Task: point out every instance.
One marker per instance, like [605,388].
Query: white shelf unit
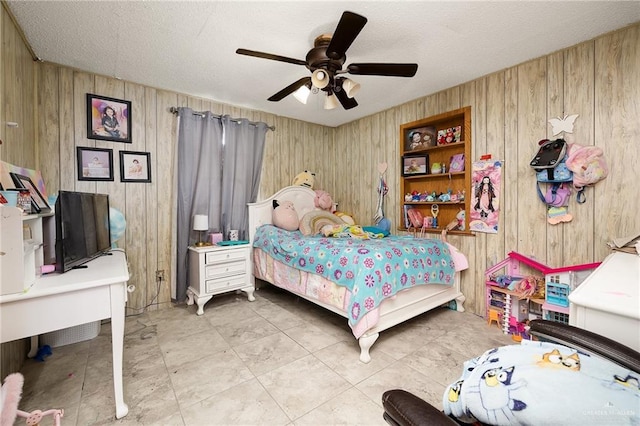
[26,243]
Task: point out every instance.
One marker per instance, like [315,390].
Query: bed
[393,309]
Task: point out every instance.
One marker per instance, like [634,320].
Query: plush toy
[323,200]
[305,178]
[285,216]
[346,218]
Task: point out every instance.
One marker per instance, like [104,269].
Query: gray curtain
[218,173]
[243,151]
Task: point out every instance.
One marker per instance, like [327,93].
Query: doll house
[514,297]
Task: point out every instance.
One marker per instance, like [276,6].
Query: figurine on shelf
[435,209]
[408,197]
[444,197]
[415,196]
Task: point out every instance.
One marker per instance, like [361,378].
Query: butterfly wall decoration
[564,124]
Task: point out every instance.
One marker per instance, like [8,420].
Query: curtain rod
[174,110]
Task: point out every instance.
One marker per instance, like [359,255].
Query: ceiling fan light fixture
[330,102]
[350,87]
[302,94]
[320,78]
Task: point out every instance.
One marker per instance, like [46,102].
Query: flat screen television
[82,228]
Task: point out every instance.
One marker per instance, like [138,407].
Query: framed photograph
[450,135]
[108,119]
[94,163]
[38,202]
[414,165]
[420,138]
[135,166]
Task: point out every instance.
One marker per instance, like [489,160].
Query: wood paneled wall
[599,79]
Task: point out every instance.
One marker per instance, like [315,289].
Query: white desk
[58,301]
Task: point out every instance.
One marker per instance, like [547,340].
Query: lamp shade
[350,87]
[302,94]
[200,222]
[330,102]
[320,79]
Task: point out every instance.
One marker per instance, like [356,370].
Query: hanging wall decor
[135,166]
[94,163]
[485,203]
[108,119]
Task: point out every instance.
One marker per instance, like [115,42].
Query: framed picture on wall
[94,163]
[135,166]
[108,119]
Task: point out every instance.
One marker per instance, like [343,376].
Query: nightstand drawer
[225,269]
[224,256]
[229,283]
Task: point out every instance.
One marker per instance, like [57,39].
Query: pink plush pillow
[284,215]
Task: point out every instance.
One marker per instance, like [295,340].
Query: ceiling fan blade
[346,32]
[270,56]
[290,89]
[392,70]
[347,102]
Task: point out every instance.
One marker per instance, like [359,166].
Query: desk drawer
[225,269]
[224,256]
[229,283]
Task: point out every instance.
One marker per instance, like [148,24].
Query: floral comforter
[372,269]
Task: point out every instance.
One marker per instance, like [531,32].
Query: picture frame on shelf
[449,135]
[135,166]
[38,202]
[415,165]
[94,164]
[108,119]
[420,138]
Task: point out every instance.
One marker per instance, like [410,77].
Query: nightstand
[218,269]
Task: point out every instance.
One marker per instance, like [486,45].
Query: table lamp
[201,223]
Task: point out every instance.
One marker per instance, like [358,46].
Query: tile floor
[277,361]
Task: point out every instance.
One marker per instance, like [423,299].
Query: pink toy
[11,393]
[514,300]
[285,216]
[323,200]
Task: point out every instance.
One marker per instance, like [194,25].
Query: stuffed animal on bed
[305,178]
[346,218]
[323,200]
[284,215]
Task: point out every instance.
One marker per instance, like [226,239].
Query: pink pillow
[284,215]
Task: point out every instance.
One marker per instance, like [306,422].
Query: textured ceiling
[189,47]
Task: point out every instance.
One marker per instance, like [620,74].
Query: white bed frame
[406,305]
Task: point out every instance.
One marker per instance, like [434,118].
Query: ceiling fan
[326,60]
